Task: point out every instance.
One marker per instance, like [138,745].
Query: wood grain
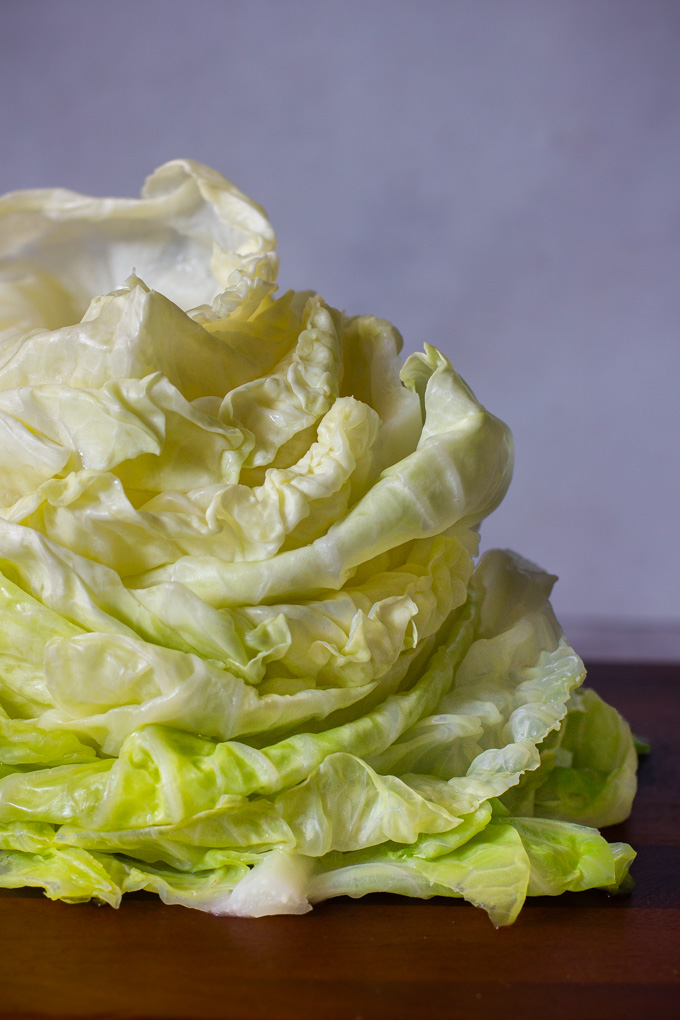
[383,957]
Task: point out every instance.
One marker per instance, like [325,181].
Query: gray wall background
[498,177]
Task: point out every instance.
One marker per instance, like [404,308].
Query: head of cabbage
[247,660]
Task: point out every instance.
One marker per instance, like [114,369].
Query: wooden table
[383,958]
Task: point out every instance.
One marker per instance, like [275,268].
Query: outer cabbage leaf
[588,770]
[495,869]
[570,858]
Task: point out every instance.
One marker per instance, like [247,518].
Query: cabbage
[247,660]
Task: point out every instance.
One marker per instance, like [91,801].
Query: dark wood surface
[384,957]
